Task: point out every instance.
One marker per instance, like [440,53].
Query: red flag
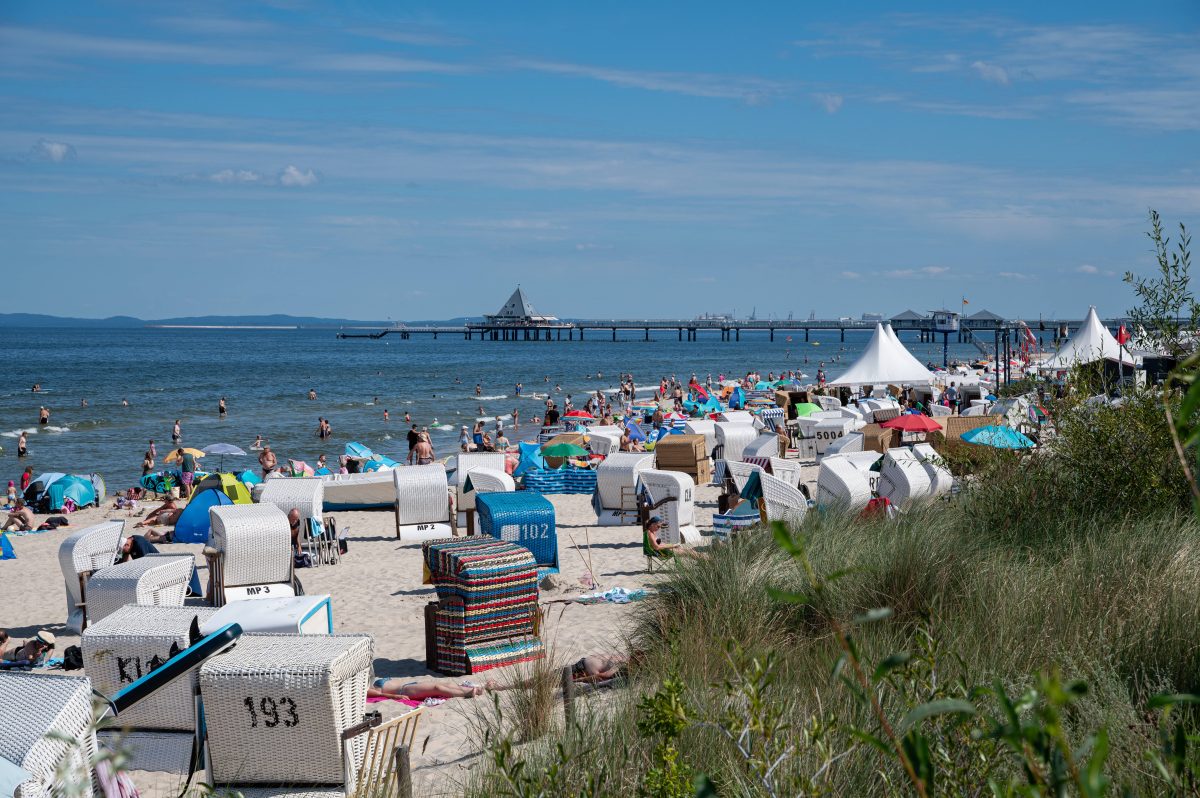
[1123,335]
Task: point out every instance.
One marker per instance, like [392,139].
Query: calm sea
[265,376]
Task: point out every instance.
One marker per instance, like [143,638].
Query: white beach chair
[782,502]
[318,537]
[941,481]
[737,417]
[705,427]
[80,555]
[732,439]
[285,716]
[841,486]
[154,580]
[422,503]
[615,499]
[765,445]
[604,440]
[678,512]
[158,731]
[829,430]
[249,553]
[466,462]
[828,402]
[41,713]
[850,442]
[903,479]
[789,471]
[740,472]
[939,411]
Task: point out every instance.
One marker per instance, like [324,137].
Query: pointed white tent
[1090,343]
[885,360]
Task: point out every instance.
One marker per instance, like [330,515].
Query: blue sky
[375,160]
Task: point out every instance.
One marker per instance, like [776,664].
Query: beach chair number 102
[273,712]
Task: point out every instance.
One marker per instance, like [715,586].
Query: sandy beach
[377,591]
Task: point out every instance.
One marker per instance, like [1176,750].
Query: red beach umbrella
[913,423]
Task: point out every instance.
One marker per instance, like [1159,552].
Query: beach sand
[377,591]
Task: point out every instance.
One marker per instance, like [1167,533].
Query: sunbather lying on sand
[420,689]
[166,513]
[599,667]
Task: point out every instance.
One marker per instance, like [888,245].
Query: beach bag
[72,658]
[302,560]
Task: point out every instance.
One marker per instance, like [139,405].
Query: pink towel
[375,699]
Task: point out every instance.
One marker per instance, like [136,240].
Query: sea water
[265,376]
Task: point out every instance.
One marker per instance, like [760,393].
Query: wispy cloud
[851,275]
[20,45]
[218,26]
[924,271]
[367,62]
[56,151]
[752,91]
[832,103]
[227,176]
[415,36]
[294,176]
[1087,268]
[992,73]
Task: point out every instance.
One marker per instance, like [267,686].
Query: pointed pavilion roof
[1090,343]
[908,315]
[885,360]
[518,308]
[985,315]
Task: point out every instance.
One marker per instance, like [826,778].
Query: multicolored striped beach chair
[486,616]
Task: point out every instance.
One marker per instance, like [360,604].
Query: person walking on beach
[22,445]
[187,465]
[267,460]
[176,433]
[222,411]
[952,398]
[44,415]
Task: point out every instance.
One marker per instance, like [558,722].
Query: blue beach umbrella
[997,438]
[356,449]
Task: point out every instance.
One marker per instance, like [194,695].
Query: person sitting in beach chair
[419,690]
[655,548]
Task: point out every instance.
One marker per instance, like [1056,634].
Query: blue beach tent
[193,525]
[78,489]
[530,458]
[997,438]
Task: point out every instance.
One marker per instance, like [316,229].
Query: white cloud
[832,103]
[1087,268]
[935,269]
[56,151]
[991,72]
[752,91]
[235,176]
[1014,275]
[849,275]
[366,62]
[292,176]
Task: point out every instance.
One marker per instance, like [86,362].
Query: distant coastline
[265,322]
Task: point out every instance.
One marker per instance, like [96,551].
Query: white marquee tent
[885,360]
[1090,343]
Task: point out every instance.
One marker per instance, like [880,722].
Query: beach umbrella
[913,423]
[174,455]
[223,449]
[579,414]
[997,438]
[563,450]
[807,409]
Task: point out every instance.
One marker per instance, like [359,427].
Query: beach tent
[248,477]
[1090,343]
[40,484]
[530,458]
[193,525]
[997,438]
[75,487]
[885,361]
[228,484]
[737,400]
[635,432]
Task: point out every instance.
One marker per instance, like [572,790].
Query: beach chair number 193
[273,712]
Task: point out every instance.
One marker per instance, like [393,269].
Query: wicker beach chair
[615,498]
[675,491]
[41,712]
[486,613]
[285,716]
[705,427]
[490,480]
[841,486]
[318,535]
[941,481]
[249,553]
[135,640]
[765,445]
[790,471]
[828,402]
[848,443]
[525,518]
[740,472]
[940,411]
[733,437]
[781,501]
[467,461]
[80,555]
[156,580]
[903,478]
[422,502]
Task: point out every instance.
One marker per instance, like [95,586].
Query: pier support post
[614,333]
[806,334]
[772,335]
[580,333]
[738,333]
[843,335]
[680,333]
[647,334]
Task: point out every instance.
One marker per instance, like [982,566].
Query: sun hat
[45,637]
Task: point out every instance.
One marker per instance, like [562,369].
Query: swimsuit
[424,460]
